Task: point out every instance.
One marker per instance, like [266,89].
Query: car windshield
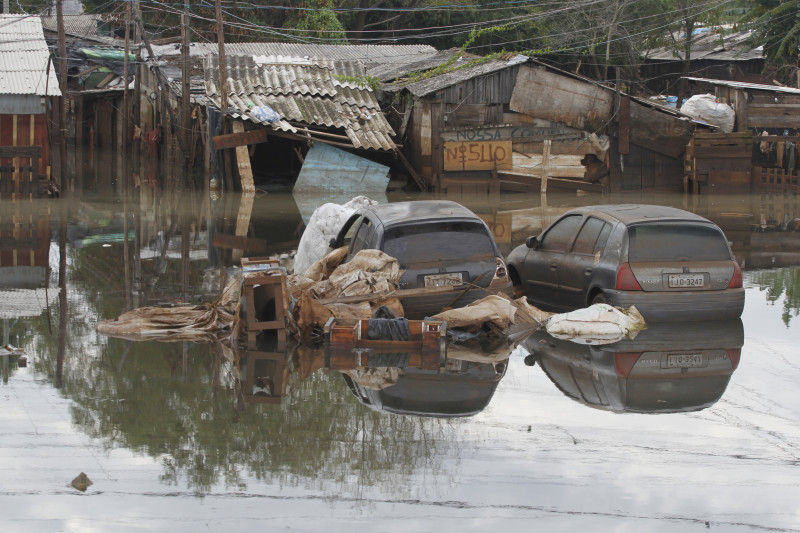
[676,242]
[439,241]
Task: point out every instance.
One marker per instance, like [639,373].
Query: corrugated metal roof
[751,86]
[464,69]
[712,44]
[368,55]
[84,25]
[306,93]
[24,58]
[401,68]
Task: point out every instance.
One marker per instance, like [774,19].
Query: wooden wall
[20,131]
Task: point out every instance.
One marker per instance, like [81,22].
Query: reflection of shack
[474,125]
[27,82]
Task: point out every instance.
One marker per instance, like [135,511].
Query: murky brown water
[173,441]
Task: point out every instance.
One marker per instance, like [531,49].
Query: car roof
[399,212]
[638,213]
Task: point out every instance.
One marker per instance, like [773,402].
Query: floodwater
[557,437]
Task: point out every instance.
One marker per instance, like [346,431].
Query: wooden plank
[559,183]
[716,152]
[400,293]
[243,162]
[20,151]
[241,138]
[659,132]
[730,182]
[478,155]
[247,244]
[624,131]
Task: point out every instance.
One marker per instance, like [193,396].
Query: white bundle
[706,108]
[324,225]
[597,324]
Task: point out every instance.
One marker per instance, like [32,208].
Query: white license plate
[443,280]
[685,360]
[686,280]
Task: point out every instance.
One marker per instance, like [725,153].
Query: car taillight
[734,356]
[625,362]
[736,279]
[626,281]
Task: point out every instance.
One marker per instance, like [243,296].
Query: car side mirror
[531,242]
[332,243]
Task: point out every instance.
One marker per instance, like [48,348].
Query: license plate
[442,280]
[686,280]
[685,360]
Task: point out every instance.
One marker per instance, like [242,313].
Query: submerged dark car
[669,263]
[436,243]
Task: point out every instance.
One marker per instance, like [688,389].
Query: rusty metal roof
[750,86]
[307,91]
[24,58]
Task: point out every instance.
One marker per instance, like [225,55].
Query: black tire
[599,298]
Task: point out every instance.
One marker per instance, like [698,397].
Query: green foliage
[776,26]
[318,23]
[781,283]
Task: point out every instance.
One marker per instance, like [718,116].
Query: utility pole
[126,154]
[62,84]
[223,90]
[186,105]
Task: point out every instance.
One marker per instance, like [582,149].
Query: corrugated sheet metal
[713,45]
[401,68]
[368,55]
[751,86]
[24,58]
[310,94]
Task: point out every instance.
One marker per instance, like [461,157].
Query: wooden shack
[477,125]
[27,81]
[760,155]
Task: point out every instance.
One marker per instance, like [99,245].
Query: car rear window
[676,242]
[438,241]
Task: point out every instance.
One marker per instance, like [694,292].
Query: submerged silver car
[436,243]
[669,263]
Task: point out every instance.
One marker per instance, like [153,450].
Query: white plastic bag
[324,225]
[706,108]
[596,324]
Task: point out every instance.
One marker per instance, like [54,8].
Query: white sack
[706,108]
[324,225]
[597,324]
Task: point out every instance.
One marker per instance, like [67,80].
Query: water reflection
[667,368]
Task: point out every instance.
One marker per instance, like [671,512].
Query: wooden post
[243,162]
[223,89]
[62,84]
[186,106]
[545,164]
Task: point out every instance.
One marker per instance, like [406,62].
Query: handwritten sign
[479,155]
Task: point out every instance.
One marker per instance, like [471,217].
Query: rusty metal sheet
[479,155]
[548,95]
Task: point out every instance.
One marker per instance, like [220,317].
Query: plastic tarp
[324,225]
[596,324]
[180,323]
[496,313]
[706,108]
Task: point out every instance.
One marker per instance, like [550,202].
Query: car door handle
[587,271]
[554,266]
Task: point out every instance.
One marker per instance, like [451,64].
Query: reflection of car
[671,264]
[669,367]
[437,243]
[460,388]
